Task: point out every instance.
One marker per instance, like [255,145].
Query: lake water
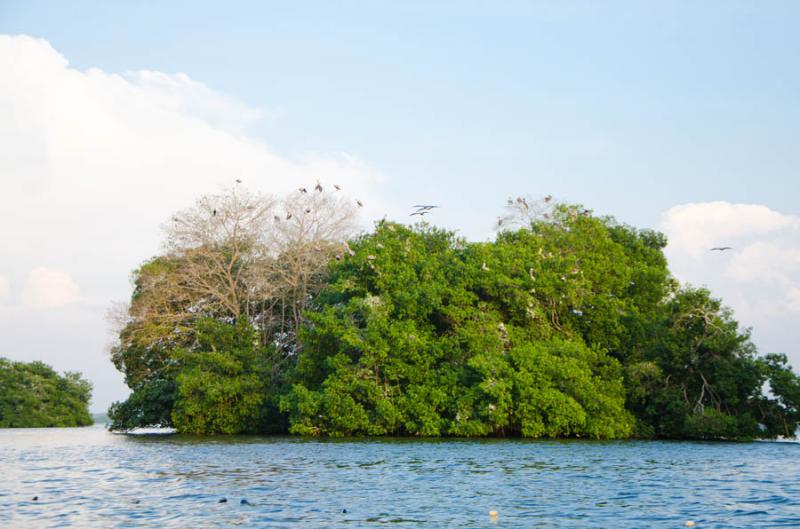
[87,477]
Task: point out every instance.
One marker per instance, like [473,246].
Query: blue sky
[634,109]
[629,107]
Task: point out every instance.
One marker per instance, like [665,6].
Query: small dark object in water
[137,502]
[223,500]
[35,498]
[344,511]
[244,502]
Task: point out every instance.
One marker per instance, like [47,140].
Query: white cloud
[180,94]
[766,262]
[694,228]
[47,289]
[5,287]
[93,162]
[759,278]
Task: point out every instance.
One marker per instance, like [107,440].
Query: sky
[678,116]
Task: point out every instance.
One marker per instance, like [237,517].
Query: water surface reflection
[90,478]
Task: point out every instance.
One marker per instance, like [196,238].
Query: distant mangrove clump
[273,316]
[33,395]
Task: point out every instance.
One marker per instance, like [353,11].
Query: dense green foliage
[569,326]
[420,333]
[697,375]
[224,384]
[33,395]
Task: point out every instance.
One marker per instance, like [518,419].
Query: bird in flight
[238,181]
[288,215]
[336,187]
[360,204]
[302,189]
[423,209]
[318,187]
[720,248]
[548,198]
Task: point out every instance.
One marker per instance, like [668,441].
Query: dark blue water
[88,478]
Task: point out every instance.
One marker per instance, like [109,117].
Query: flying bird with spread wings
[423,209]
[720,248]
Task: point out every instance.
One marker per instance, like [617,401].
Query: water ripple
[86,478]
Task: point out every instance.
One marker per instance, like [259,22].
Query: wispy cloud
[47,289]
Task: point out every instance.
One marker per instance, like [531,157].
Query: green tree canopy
[699,376]
[418,334]
[224,386]
[234,258]
[566,325]
[33,395]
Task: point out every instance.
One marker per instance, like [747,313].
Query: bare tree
[230,256]
[252,255]
[521,212]
[222,243]
[310,233]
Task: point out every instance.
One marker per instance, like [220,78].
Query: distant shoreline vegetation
[268,315]
[34,395]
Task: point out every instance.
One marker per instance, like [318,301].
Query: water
[87,478]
